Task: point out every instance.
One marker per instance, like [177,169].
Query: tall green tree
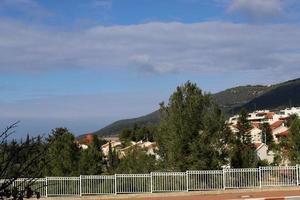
[192,131]
[112,160]
[63,153]
[137,161]
[91,159]
[267,135]
[242,150]
[293,142]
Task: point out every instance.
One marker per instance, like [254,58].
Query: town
[276,120]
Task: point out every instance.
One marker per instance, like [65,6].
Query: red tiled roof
[88,138]
[283,134]
[276,124]
[270,115]
[256,145]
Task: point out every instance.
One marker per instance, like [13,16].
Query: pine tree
[113,159]
[137,162]
[242,150]
[192,130]
[91,160]
[63,153]
[293,142]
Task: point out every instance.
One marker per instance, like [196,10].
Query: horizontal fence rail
[201,180]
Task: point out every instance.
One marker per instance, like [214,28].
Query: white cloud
[153,47]
[257,9]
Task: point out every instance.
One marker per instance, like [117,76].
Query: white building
[290,111]
[114,145]
[263,153]
[256,135]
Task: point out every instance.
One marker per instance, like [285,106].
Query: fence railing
[201,180]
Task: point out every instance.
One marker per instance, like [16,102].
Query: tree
[242,150]
[192,129]
[267,135]
[63,153]
[91,159]
[293,142]
[136,162]
[19,160]
[113,159]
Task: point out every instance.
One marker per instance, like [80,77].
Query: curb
[276,198]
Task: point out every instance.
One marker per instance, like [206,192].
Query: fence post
[151,182]
[224,179]
[80,185]
[116,184]
[46,187]
[297,174]
[187,181]
[260,177]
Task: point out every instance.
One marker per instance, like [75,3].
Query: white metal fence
[164,181]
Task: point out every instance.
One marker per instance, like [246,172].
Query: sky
[83,64]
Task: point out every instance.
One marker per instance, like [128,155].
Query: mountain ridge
[230,100]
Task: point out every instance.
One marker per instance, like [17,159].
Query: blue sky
[83,64]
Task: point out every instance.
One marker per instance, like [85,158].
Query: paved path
[215,195]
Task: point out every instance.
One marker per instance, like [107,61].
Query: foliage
[242,151]
[293,142]
[17,160]
[192,131]
[267,136]
[112,160]
[91,159]
[137,161]
[63,153]
[137,133]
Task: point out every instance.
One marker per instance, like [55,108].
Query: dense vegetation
[230,101]
[192,134]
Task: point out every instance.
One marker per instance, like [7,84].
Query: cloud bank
[258,9]
[157,48]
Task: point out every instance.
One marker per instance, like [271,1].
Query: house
[279,130]
[148,147]
[114,145]
[256,135]
[261,150]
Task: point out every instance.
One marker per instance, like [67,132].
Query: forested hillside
[231,101]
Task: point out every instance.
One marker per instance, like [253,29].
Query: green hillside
[116,127]
[281,95]
[231,101]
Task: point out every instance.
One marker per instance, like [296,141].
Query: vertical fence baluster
[224,179]
[260,178]
[46,192]
[116,184]
[297,174]
[80,185]
[187,181]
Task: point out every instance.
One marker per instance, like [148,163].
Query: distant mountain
[231,101]
[116,127]
[281,95]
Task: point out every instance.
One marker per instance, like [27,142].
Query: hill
[231,101]
[116,127]
[281,95]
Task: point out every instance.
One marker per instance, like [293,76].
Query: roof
[270,115]
[276,124]
[283,134]
[258,145]
[88,138]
